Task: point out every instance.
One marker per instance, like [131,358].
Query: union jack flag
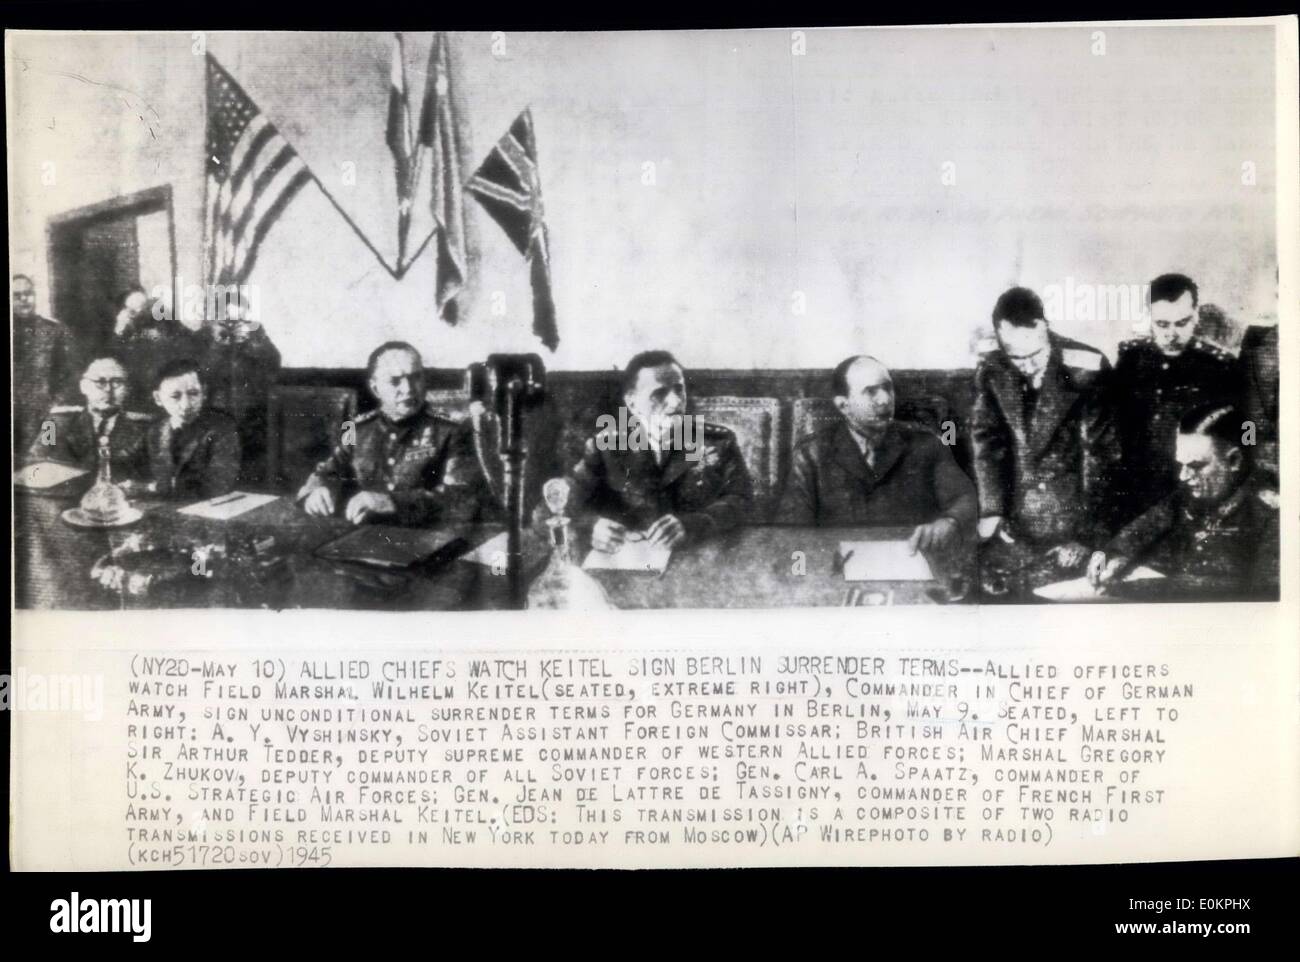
[253,174]
[509,187]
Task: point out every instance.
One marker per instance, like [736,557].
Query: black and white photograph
[460,449]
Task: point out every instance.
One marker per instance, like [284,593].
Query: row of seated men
[1098,469]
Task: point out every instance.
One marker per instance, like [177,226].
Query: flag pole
[396,274]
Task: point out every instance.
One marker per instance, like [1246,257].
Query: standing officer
[650,476]
[45,363]
[401,463]
[71,433]
[1216,536]
[1158,379]
[1045,443]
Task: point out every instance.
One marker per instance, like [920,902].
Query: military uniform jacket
[1228,551]
[1152,392]
[46,368]
[199,461]
[709,494]
[1046,463]
[426,464]
[74,441]
[914,481]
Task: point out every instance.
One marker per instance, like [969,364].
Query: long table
[752,567]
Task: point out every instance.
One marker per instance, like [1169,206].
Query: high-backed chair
[757,423]
[303,426]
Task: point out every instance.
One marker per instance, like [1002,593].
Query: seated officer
[658,473]
[872,470]
[193,450]
[1045,444]
[401,463]
[72,433]
[1217,535]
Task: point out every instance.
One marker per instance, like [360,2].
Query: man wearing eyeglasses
[72,433]
[1045,444]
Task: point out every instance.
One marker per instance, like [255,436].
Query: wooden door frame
[147,201]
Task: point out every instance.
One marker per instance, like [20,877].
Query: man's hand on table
[367,505]
[320,503]
[1104,570]
[935,536]
[608,536]
[667,532]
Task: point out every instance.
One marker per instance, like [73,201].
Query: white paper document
[46,474]
[638,555]
[883,561]
[490,552]
[1081,589]
[228,505]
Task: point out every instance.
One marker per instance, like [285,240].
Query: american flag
[253,174]
[509,187]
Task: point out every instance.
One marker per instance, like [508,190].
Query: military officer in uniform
[73,433]
[1216,536]
[1158,379]
[46,364]
[401,463]
[1045,444]
[652,474]
[873,470]
[193,450]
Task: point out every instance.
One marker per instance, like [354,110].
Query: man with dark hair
[870,469]
[655,472]
[193,450]
[400,463]
[46,364]
[1217,535]
[74,433]
[1157,379]
[1045,444]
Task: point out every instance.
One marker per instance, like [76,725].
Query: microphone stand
[513,455]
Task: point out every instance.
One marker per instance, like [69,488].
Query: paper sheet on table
[883,561]
[228,506]
[631,556]
[47,474]
[1080,589]
[490,552]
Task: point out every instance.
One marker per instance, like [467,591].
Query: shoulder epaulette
[1132,343]
[366,416]
[1217,351]
[717,430]
[138,416]
[1269,498]
[67,408]
[1084,360]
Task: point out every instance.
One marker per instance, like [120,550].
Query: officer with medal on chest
[650,474]
[1160,378]
[400,464]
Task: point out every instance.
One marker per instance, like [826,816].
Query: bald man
[872,470]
